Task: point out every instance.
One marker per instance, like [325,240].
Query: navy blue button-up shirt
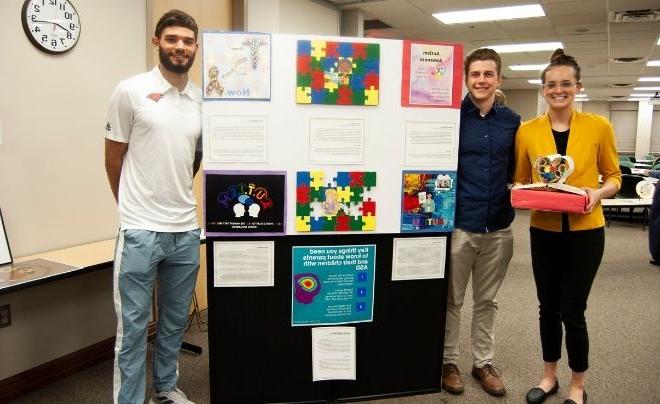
[485,167]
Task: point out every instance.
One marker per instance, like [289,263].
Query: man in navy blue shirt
[482,243]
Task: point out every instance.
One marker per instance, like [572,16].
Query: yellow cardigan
[593,149]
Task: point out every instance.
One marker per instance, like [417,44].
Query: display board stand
[255,355]
[344,145]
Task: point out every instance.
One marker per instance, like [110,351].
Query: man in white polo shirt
[152,152]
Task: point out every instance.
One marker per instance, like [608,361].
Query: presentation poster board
[285,135]
[336,125]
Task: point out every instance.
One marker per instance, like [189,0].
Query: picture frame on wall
[5,252]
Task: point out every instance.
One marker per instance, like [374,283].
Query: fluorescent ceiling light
[534,81]
[637,99]
[657,78]
[528,67]
[653,63]
[526,47]
[490,14]
[582,99]
[646,89]
[642,95]
[658,42]
[581,96]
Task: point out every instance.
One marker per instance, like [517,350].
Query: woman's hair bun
[557,54]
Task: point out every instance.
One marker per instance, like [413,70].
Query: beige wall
[597,107]
[54,189]
[290,17]
[523,102]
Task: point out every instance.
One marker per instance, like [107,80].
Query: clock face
[53,26]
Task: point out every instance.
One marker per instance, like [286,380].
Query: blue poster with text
[333,284]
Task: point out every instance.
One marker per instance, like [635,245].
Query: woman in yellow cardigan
[566,248]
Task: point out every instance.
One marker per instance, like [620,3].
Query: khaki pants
[486,256]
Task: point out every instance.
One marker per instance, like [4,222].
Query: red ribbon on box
[549,200]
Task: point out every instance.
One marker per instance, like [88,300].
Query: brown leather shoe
[490,378]
[451,379]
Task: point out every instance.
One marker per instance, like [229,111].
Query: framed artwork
[335,203]
[5,252]
[236,66]
[337,73]
[245,203]
[431,75]
[428,201]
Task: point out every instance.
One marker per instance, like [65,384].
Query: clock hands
[54,22]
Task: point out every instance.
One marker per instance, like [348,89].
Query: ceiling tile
[575,19]
[569,29]
[576,7]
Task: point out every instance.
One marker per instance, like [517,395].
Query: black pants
[565,265]
[654,227]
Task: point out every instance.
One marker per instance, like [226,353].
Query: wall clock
[53,26]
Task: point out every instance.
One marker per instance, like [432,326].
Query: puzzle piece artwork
[337,73]
[343,204]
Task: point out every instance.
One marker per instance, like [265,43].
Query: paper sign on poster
[333,353]
[243,263]
[333,284]
[418,258]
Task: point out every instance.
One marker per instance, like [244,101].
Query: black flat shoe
[584,399]
[538,395]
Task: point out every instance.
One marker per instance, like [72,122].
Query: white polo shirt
[163,128]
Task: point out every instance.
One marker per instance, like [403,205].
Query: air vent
[375,24]
[635,15]
[627,60]
[620,85]
[340,3]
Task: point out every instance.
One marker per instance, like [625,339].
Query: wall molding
[57,369]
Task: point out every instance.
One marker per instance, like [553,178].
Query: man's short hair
[482,54]
[175,18]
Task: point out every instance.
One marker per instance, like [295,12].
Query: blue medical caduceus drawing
[254,44]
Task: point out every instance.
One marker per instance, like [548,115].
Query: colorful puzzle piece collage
[337,73]
[342,204]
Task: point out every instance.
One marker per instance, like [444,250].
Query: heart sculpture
[554,168]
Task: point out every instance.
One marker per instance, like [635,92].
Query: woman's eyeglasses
[563,84]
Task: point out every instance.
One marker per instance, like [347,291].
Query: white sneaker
[170,397]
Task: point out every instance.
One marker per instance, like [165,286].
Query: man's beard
[174,68]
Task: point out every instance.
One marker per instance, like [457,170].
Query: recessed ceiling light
[490,14]
[528,67]
[534,81]
[649,79]
[646,89]
[653,63]
[526,47]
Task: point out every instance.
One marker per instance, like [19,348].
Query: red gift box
[549,200]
